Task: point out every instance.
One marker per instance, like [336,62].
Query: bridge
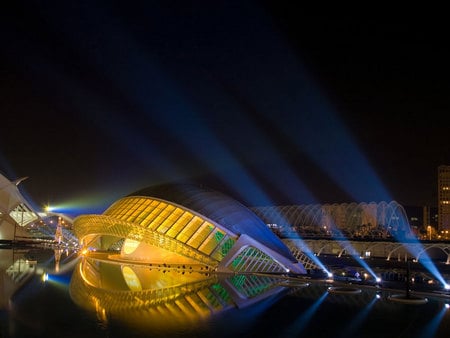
[379,248]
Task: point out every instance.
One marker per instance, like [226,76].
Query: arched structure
[358,219]
[186,224]
[16,215]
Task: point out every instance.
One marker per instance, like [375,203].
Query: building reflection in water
[163,297]
[15,271]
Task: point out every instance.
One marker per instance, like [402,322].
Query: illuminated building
[186,224]
[379,220]
[444,197]
[15,213]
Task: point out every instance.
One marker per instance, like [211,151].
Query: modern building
[443,198]
[16,215]
[186,224]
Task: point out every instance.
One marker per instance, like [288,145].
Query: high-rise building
[443,197]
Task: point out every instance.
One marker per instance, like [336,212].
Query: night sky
[269,103]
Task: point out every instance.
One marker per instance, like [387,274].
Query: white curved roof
[13,208]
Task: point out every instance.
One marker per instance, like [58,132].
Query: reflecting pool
[56,293]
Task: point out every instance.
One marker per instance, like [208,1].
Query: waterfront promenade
[381,248]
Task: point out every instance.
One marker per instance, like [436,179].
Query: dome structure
[186,224]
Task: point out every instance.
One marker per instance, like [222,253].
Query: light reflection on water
[163,298]
[96,298]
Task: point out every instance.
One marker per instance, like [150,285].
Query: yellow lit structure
[184,224]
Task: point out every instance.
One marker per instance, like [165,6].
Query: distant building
[444,198]
[423,220]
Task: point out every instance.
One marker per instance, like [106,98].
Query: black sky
[100,98]
[388,77]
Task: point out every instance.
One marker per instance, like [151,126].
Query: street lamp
[429,232]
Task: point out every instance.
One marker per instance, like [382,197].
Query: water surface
[59,294]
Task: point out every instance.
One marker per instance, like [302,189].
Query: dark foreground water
[50,293]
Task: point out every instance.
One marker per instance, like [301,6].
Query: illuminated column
[58,232]
[426,217]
